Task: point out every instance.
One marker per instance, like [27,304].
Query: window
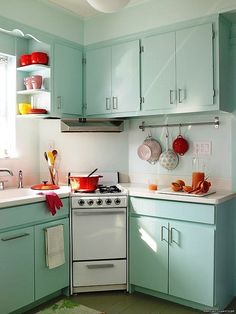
[7,105]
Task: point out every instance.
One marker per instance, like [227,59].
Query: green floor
[137,303]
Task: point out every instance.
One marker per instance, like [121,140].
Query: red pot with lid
[84,183]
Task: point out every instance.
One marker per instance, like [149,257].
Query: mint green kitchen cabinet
[149,253]
[113,79]
[48,280]
[177,71]
[98,81]
[191,262]
[16,269]
[25,278]
[182,251]
[177,257]
[67,80]
[158,72]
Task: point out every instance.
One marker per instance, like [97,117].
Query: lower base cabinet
[16,269]
[24,275]
[182,251]
[176,258]
[48,280]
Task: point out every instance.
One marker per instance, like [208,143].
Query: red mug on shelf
[28,83]
[36,81]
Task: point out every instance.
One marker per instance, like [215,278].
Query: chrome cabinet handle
[96,266]
[15,237]
[162,233]
[115,103]
[171,236]
[108,103]
[180,99]
[171,96]
[59,102]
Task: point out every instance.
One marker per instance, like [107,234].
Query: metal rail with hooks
[216,123]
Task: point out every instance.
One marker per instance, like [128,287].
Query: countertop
[141,190]
[14,197]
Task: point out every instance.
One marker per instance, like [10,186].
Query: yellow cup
[24,108]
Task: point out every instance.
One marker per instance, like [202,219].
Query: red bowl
[25,60]
[39,58]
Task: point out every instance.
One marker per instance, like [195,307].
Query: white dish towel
[54,245]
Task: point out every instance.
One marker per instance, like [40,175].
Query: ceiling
[82,8]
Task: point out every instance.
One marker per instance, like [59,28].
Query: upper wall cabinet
[60,93]
[113,80]
[177,71]
[67,80]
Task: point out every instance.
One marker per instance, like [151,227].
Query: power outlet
[202,148]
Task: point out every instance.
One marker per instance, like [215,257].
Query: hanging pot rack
[216,123]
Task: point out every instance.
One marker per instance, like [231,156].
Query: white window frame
[8,107]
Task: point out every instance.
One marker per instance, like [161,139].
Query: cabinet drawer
[202,213]
[30,213]
[99,273]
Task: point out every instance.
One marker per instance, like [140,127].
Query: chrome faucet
[2,182]
[20,184]
[6,170]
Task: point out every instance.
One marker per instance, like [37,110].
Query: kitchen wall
[83,152]
[27,159]
[52,20]
[44,16]
[218,164]
[151,14]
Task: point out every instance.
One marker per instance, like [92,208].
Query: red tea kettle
[180,144]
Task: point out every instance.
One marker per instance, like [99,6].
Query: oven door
[99,233]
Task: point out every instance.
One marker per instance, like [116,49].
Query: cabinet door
[158,72]
[48,280]
[67,65]
[125,77]
[16,269]
[149,253]
[191,262]
[194,67]
[98,81]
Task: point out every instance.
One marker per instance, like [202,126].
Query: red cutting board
[47,186]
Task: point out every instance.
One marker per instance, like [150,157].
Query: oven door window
[99,234]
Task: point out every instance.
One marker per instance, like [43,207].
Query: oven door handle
[95,266]
[90,212]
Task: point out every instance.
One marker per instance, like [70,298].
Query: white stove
[99,238]
[104,196]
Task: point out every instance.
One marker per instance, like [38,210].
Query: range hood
[92,125]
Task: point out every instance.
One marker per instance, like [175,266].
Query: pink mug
[28,83]
[36,81]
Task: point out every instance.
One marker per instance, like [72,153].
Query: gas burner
[109,189]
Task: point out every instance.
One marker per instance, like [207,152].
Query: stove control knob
[99,202]
[81,202]
[117,201]
[108,201]
[90,202]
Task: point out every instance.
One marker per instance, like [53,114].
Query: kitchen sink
[16,193]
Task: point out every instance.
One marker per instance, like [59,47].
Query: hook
[180,129]
[167,131]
